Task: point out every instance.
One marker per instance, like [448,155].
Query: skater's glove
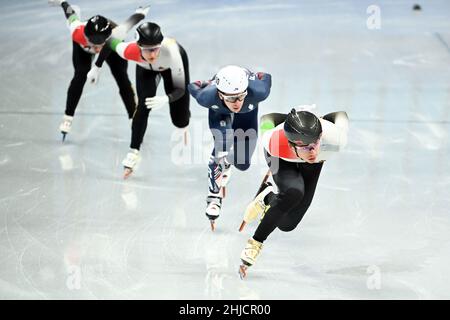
[55,3]
[156,102]
[260,75]
[202,84]
[93,74]
[143,11]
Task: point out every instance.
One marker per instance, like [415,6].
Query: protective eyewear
[235,97]
[95,45]
[306,147]
[150,49]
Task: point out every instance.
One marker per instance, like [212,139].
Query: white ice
[378,228]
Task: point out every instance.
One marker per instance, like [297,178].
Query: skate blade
[242,271]
[64,136]
[127,173]
[185,138]
[223,192]
[213,225]
[242,226]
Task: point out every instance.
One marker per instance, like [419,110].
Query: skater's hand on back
[202,84]
[260,75]
[143,11]
[156,102]
[55,2]
[93,74]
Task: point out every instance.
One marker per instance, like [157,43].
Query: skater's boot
[215,176]
[213,207]
[65,126]
[182,134]
[257,207]
[130,162]
[249,255]
[214,199]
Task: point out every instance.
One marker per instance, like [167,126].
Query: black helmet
[302,127]
[149,34]
[97,30]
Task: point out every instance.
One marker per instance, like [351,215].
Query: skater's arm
[94,73]
[126,50]
[339,118]
[260,84]
[270,121]
[335,131]
[102,56]
[120,32]
[177,70]
[204,92]
[341,122]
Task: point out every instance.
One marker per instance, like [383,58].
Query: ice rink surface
[378,228]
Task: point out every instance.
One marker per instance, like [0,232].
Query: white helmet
[231,79]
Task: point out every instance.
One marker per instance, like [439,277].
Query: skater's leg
[213,174]
[245,131]
[222,132]
[220,126]
[146,84]
[179,109]
[310,173]
[291,190]
[214,197]
[119,68]
[82,64]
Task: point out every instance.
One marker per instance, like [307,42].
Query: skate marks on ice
[130,198]
[219,255]
[120,261]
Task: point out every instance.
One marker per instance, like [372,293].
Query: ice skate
[214,199]
[249,256]
[183,134]
[130,162]
[257,207]
[65,126]
[213,207]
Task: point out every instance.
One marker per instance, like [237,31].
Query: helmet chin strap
[295,149]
